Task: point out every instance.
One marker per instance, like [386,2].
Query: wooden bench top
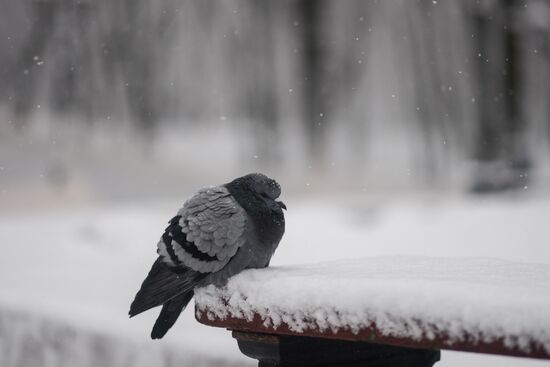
[467,304]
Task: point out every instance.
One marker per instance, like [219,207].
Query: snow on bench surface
[473,304]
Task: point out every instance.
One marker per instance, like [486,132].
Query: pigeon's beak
[281,205]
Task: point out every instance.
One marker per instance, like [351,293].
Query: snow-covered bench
[370,309]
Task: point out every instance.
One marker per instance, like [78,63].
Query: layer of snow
[412,297]
[29,339]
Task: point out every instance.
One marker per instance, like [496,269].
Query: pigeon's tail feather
[169,314]
[161,285]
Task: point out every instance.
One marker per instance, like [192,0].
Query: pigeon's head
[262,187]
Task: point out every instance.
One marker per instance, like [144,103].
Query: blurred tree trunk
[25,72]
[517,155]
[136,59]
[309,14]
[348,66]
[262,101]
[428,93]
[500,146]
[71,51]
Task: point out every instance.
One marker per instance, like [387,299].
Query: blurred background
[395,127]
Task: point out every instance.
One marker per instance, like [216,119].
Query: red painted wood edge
[374,335]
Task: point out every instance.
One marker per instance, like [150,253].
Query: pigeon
[219,232]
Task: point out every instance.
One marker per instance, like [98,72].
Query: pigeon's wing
[206,233]
[201,239]
[161,285]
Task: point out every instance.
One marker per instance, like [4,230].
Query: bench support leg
[298,351]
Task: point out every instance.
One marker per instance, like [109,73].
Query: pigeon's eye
[264,195]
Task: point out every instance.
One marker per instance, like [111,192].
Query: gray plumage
[218,232]
[215,223]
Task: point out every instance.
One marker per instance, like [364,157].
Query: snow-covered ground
[67,276]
